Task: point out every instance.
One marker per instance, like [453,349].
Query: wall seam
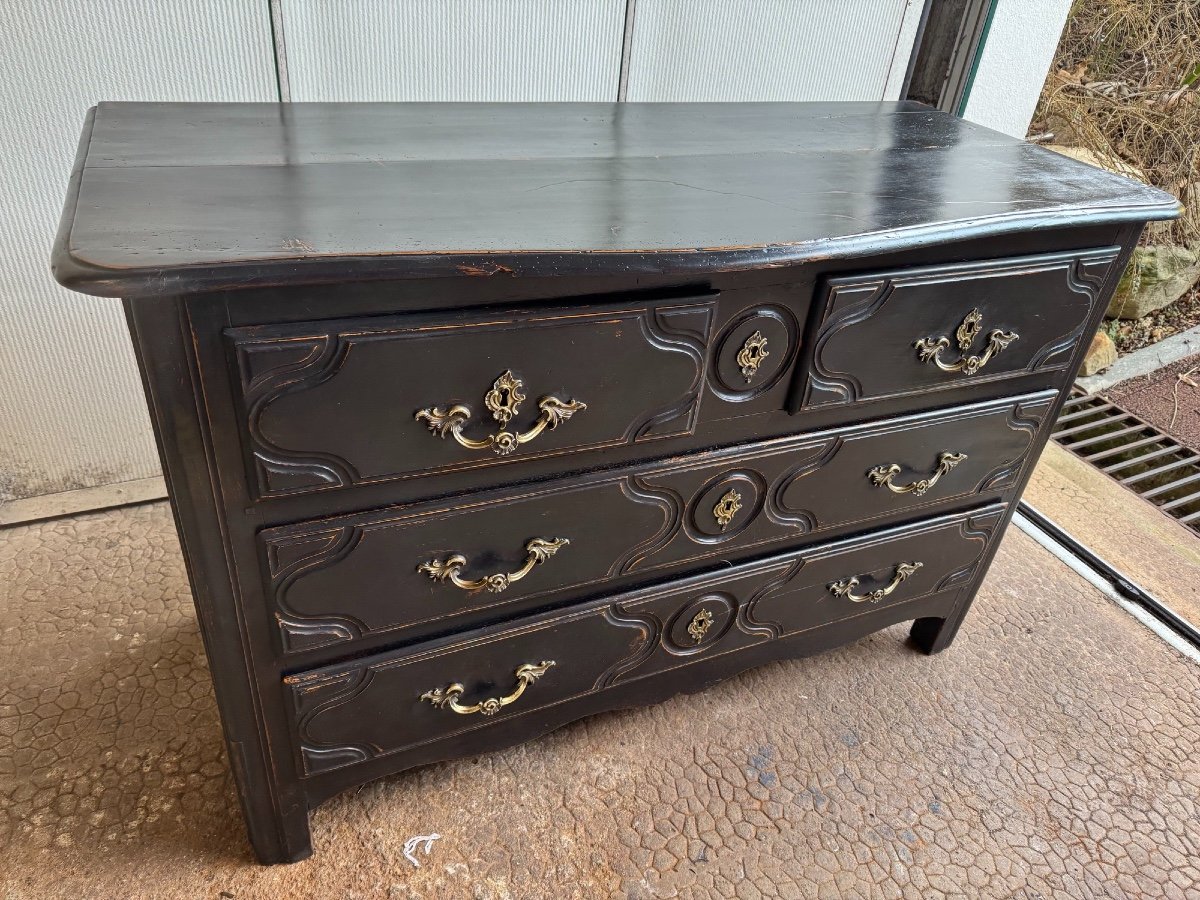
[282,82]
[626,50]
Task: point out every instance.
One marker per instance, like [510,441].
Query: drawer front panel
[336,404]
[342,579]
[395,701]
[899,333]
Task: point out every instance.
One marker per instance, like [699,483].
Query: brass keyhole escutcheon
[504,398]
[699,625]
[727,507]
[752,354]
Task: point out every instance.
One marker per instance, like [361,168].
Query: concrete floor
[1129,532]
[1050,752]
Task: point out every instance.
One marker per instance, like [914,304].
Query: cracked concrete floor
[1050,752]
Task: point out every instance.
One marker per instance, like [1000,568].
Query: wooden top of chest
[171,198]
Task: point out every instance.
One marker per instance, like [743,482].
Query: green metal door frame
[947,51]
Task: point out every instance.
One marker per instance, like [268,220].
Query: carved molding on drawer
[701,523]
[668,330]
[311,697]
[1026,417]
[672,505]
[270,370]
[745,614]
[289,560]
[979,529]
[1085,277]
[852,304]
[732,602]
[746,366]
[274,365]
[298,635]
[777,508]
[651,628]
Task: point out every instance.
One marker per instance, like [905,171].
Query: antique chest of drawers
[478,419]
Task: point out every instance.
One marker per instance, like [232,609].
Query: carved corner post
[933,635]
[275,809]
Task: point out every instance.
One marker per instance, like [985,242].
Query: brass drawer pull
[930,349]
[537,551]
[881,476]
[502,401]
[846,588]
[447,697]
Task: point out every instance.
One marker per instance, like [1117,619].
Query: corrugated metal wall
[71,409]
[72,413]
[711,50]
[453,49]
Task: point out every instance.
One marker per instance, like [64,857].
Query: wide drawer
[894,334]
[333,404]
[349,402]
[345,578]
[392,702]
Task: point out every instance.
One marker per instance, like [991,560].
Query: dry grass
[1125,85]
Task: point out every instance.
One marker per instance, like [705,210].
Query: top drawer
[894,334]
[338,403]
[345,402]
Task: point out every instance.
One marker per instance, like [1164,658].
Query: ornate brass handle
[930,349]
[502,401]
[447,697]
[846,588]
[537,551]
[881,476]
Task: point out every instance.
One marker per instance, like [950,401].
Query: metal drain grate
[1133,452]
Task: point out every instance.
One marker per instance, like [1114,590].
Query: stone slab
[1145,361]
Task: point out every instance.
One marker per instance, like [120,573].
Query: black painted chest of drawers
[478,419]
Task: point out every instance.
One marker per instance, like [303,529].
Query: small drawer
[393,702]
[341,403]
[445,563]
[895,334]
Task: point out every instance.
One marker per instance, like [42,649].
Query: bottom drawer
[399,700]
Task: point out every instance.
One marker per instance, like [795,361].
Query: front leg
[935,635]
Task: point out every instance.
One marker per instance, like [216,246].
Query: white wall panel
[710,50]
[72,412]
[1016,56]
[453,49]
